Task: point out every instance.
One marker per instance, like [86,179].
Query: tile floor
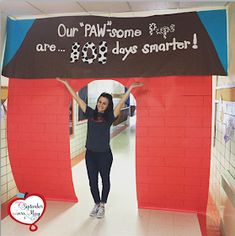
[122,216]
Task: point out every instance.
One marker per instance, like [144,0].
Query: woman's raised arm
[118,107]
[80,102]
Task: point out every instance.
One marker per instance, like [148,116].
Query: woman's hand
[62,81]
[136,84]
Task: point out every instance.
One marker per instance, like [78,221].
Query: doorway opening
[123,137]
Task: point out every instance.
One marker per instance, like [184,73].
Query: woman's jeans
[99,163]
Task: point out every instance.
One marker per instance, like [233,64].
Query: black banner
[104,47]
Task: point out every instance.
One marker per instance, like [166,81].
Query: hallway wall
[222,176]
[78,138]
[8,186]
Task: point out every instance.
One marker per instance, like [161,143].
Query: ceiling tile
[151,6]
[61,6]
[107,7]
[201,4]
[44,7]
[14,7]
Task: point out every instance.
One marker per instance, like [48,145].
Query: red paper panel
[172,144]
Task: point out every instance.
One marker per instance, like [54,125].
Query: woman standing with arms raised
[98,155]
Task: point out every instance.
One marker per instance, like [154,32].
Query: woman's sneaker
[95,210]
[101,212]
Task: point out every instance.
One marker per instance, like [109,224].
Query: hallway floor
[122,215]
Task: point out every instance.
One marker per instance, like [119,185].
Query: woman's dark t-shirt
[98,131]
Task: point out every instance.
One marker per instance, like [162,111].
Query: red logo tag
[28,210]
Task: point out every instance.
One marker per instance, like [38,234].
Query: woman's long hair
[109,107]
